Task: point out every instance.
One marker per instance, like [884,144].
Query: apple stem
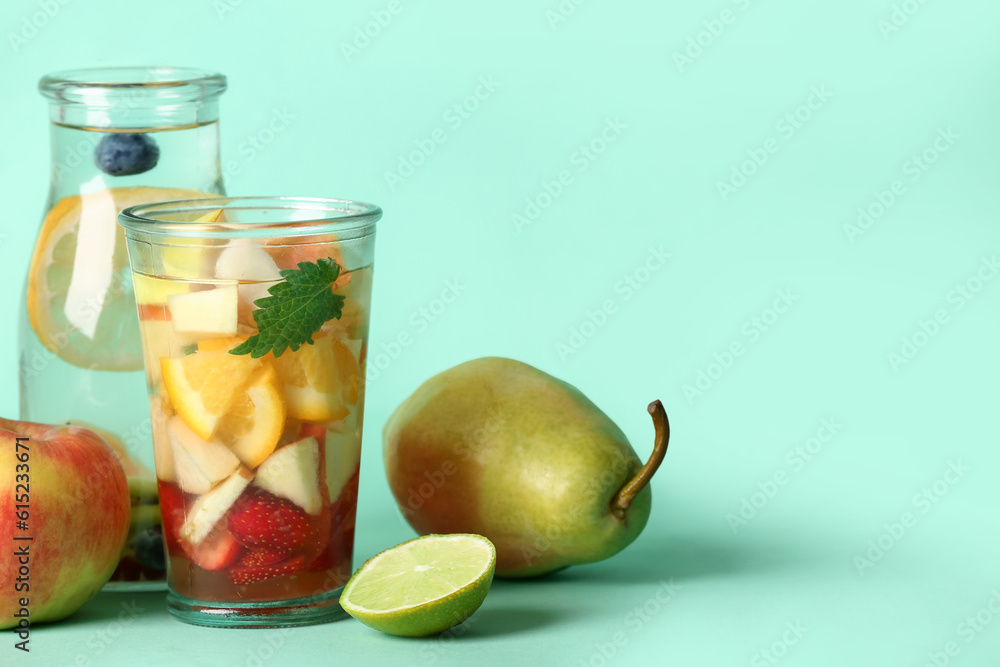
[627,493]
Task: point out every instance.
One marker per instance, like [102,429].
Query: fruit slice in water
[206,313]
[249,264]
[199,464]
[320,380]
[255,419]
[208,509]
[202,386]
[422,587]
[292,472]
[80,301]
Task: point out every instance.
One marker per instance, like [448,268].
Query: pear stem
[627,493]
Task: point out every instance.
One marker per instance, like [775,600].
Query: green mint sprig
[297,308]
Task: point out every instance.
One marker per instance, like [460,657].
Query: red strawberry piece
[248,574]
[338,540]
[315,430]
[260,520]
[336,553]
[258,557]
[153,312]
[172,508]
[322,527]
[217,551]
[347,504]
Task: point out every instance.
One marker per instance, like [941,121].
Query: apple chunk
[251,265]
[209,312]
[209,508]
[292,472]
[163,451]
[198,464]
[343,455]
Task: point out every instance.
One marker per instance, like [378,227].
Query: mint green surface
[877,338]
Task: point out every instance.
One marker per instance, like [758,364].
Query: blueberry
[126,154]
[148,547]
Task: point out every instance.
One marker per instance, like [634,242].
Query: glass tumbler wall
[254,319]
[120,137]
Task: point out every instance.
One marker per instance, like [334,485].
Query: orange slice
[204,385]
[79,300]
[320,381]
[253,425]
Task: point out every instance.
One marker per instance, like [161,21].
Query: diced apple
[242,261]
[209,508]
[198,464]
[210,312]
[252,266]
[292,472]
[163,451]
[343,454]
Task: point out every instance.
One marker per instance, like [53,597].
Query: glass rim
[97,85]
[347,218]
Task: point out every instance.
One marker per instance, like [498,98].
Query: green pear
[499,448]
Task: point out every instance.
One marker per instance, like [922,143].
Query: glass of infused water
[253,314]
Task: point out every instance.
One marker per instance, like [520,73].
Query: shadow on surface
[124,608]
[500,621]
[687,557]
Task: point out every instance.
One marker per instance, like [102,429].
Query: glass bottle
[120,137]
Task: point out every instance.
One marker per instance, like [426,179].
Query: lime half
[422,587]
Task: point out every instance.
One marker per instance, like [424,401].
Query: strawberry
[217,551]
[336,553]
[156,311]
[319,545]
[172,508]
[258,557]
[249,574]
[347,504]
[338,535]
[260,520]
[315,430]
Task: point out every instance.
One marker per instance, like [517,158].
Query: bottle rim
[253,217]
[137,86]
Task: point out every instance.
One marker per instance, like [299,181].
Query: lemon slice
[320,381]
[79,296]
[202,386]
[422,587]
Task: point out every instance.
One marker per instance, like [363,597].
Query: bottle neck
[186,137]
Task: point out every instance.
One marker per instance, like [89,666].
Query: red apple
[75,504]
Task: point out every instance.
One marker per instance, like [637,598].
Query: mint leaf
[297,308]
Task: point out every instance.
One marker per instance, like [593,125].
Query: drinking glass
[253,313]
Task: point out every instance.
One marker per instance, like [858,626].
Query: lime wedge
[422,587]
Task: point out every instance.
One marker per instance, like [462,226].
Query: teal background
[524,290]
